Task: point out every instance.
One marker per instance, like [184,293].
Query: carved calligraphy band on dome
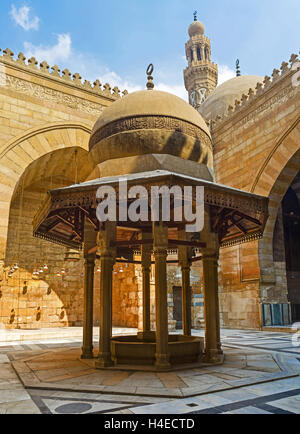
[150,123]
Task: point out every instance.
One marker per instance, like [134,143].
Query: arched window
[192,55]
[199,53]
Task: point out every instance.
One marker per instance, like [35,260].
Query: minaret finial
[150,84]
[195,15]
[238,69]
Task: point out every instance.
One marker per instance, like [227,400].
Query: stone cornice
[197,65]
[244,240]
[66,79]
[52,95]
[245,111]
[198,39]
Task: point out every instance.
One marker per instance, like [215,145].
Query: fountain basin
[131,350]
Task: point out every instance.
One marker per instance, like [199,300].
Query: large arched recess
[23,151]
[273,180]
[49,301]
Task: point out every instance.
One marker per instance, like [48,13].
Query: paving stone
[248,410]
[17,407]
[290,404]
[199,388]
[13,396]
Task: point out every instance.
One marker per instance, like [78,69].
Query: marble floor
[261,375]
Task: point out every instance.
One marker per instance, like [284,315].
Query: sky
[115,40]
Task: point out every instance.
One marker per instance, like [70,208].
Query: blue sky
[115,40]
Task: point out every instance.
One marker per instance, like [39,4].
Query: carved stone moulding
[149,123]
[56,240]
[243,240]
[151,134]
[52,95]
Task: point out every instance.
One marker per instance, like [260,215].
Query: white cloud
[178,90]
[111,77]
[22,17]
[225,73]
[61,51]
[62,54]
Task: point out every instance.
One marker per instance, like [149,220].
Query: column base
[104,361]
[148,336]
[212,356]
[87,355]
[162,363]
[188,333]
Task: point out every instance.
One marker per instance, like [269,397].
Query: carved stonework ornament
[198,97]
[150,123]
[48,94]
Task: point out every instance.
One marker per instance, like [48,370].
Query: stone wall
[41,110]
[46,119]
[255,149]
[47,301]
[125,297]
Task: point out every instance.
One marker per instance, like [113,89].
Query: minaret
[201,75]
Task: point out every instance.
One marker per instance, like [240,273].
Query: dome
[150,122]
[196,28]
[226,94]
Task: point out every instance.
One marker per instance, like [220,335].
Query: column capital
[106,236]
[146,252]
[90,239]
[160,252]
[108,258]
[146,268]
[210,255]
[90,260]
[185,265]
[160,235]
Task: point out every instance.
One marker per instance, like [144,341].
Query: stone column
[90,241]
[212,324]
[195,54]
[146,275]
[185,264]
[160,233]
[219,342]
[186,299]
[107,259]
[203,53]
[89,269]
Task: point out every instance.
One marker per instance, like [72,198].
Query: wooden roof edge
[42,212]
[257,235]
[69,193]
[55,240]
[93,185]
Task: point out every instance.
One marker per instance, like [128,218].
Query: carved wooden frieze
[74,201]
